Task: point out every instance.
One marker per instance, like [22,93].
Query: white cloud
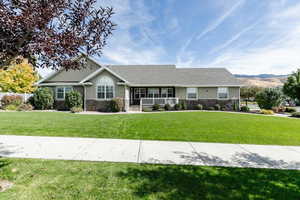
[220,20]
[233,39]
[279,56]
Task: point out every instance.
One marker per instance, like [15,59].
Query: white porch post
[126,98]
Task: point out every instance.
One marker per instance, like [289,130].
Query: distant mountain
[260,76]
[262,80]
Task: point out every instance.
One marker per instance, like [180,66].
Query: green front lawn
[74,180]
[182,126]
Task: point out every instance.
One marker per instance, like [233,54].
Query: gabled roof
[95,73]
[148,75]
[170,75]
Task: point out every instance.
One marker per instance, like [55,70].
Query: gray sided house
[145,85]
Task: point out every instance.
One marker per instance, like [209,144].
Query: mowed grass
[74,180]
[181,126]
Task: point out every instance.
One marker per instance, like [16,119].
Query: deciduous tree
[291,87]
[52,33]
[18,78]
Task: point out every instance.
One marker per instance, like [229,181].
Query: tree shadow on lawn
[192,182]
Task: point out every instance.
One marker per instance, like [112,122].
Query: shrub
[42,99]
[73,99]
[275,109]
[236,106]
[76,109]
[11,100]
[269,98]
[210,108]
[245,109]
[116,105]
[147,109]
[217,107]
[290,110]
[267,112]
[11,107]
[25,107]
[156,107]
[161,109]
[168,107]
[199,107]
[296,114]
[177,106]
[183,106]
[281,109]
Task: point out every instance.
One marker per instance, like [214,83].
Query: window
[139,93]
[153,92]
[167,92]
[105,88]
[61,92]
[223,93]
[192,93]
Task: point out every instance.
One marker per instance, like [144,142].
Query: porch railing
[160,101]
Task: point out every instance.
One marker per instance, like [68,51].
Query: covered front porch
[152,95]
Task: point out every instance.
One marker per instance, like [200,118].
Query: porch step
[134,108]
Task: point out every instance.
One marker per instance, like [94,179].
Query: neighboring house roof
[147,75]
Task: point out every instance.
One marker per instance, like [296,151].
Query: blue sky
[245,36]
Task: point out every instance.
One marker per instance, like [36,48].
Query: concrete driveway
[157,152]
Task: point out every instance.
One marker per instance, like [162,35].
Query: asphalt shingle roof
[170,75]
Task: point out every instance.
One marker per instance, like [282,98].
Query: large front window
[223,93]
[191,93]
[153,92]
[140,93]
[167,92]
[105,88]
[61,92]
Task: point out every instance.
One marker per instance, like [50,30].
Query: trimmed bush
[290,109]
[177,106]
[161,109]
[73,99]
[269,98]
[267,112]
[245,109]
[116,105]
[183,106]
[42,99]
[217,107]
[167,107]
[156,107]
[25,107]
[296,114]
[11,100]
[76,109]
[11,107]
[199,107]
[211,108]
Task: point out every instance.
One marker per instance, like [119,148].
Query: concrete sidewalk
[141,151]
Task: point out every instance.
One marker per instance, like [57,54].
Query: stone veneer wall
[206,103]
[94,105]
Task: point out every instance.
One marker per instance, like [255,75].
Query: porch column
[126,98]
